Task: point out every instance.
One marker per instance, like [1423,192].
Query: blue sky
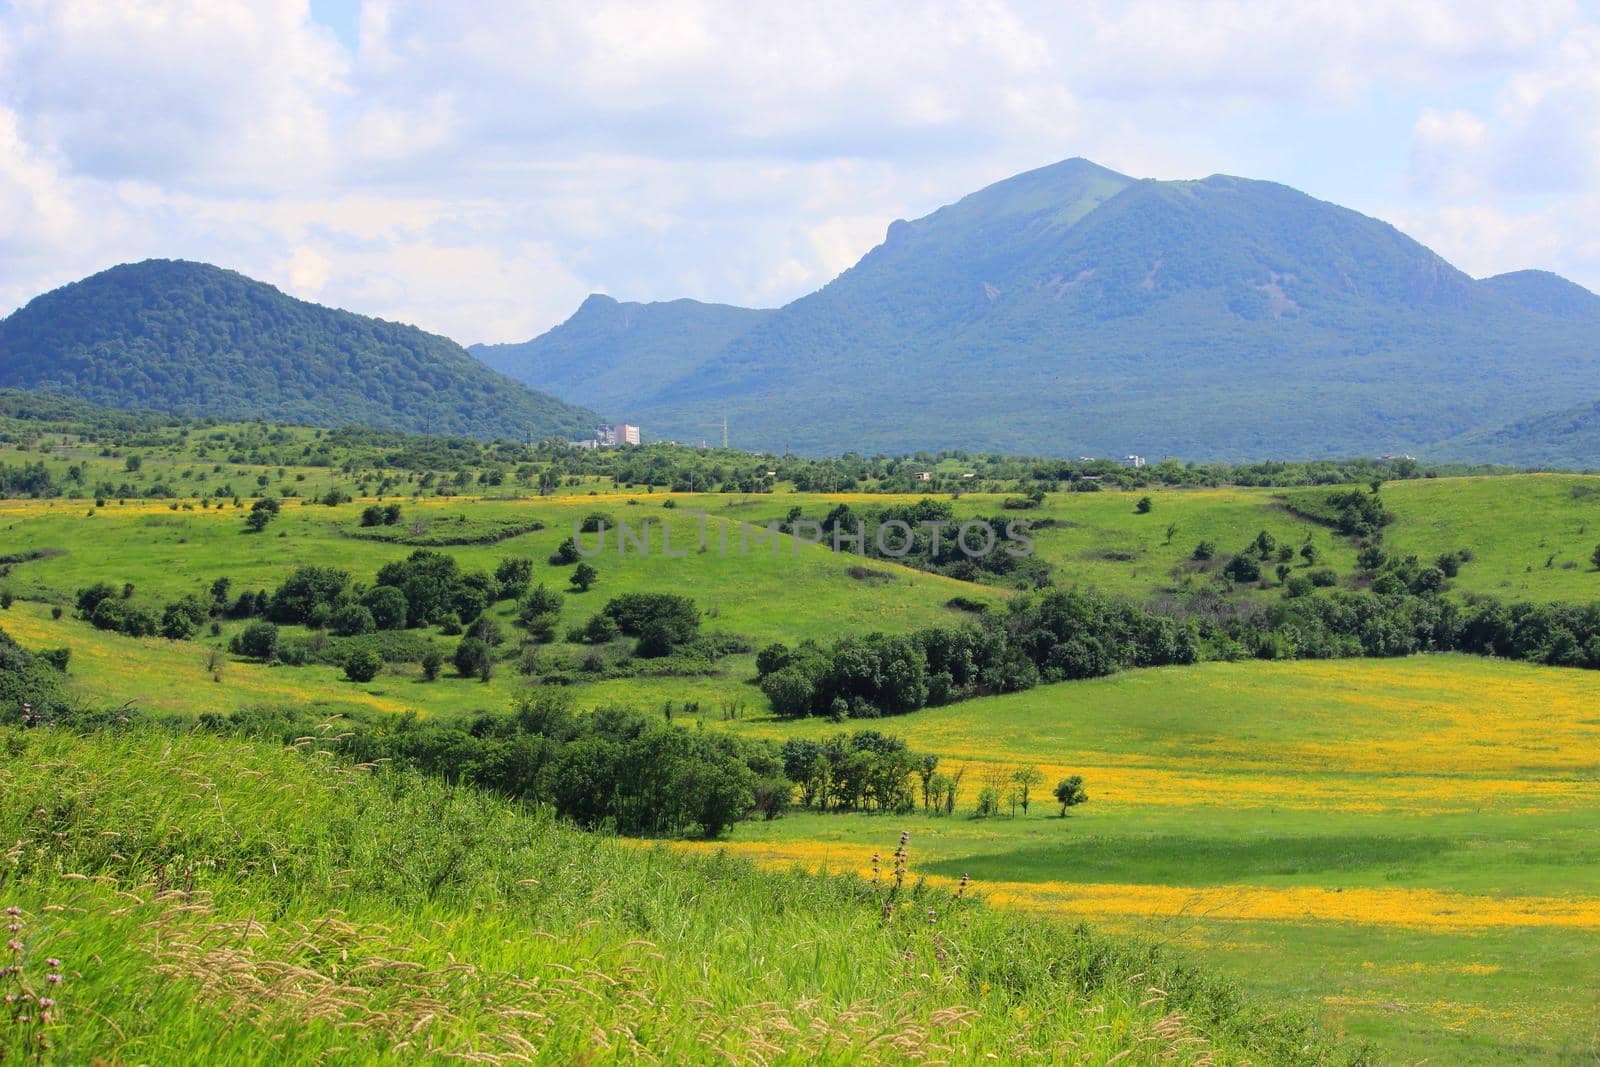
[478,169]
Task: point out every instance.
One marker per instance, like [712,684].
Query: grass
[1407,846]
[1409,843]
[216,901]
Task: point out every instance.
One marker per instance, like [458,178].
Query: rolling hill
[194,339]
[1074,310]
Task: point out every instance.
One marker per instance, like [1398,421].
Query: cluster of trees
[1053,636]
[1058,636]
[871,771]
[865,771]
[380,515]
[27,480]
[424,589]
[927,535]
[109,607]
[613,768]
[661,622]
[1353,512]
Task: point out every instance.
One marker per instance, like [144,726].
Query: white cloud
[478,170]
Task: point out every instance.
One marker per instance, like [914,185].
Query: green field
[1403,847]
[217,902]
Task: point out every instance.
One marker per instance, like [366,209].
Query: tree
[1205,550]
[1595,557]
[988,802]
[1026,777]
[583,577]
[304,590]
[774,657]
[790,691]
[431,662]
[472,657]
[1143,508]
[1243,569]
[1070,793]
[429,580]
[363,665]
[259,640]
[182,619]
[541,600]
[513,575]
[257,521]
[387,605]
[351,620]
[566,553]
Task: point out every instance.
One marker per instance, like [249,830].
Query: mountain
[194,339]
[1551,294]
[597,356]
[1074,310]
[1565,440]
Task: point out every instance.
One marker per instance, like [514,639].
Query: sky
[478,169]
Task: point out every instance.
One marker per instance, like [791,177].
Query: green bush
[363,666]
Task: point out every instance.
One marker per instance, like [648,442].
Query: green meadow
[205,901]
[1402,849]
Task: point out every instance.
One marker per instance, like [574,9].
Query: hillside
[1566,439]
[195,917]
[597,356]
[1301,824]
[1073,310]
[190,338]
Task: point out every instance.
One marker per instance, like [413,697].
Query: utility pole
[724,429]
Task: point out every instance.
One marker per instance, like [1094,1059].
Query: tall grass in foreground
[215,901]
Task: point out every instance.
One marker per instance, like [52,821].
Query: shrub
[431,662]
[296,600]
[673,614]
[182,619]
[565,554]
[387,605]
[542,628]
[258,640]
[583,577]
[352,620]
[471,657]
[600,629]
[513,575]
[1242,569]
[487,629]
[541,600]
[363,665]
[774,657]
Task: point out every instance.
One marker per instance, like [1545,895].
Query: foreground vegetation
[217,901]
[1403,845]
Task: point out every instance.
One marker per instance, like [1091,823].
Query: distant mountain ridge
[194,339]
[1075,310]
[600,352]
